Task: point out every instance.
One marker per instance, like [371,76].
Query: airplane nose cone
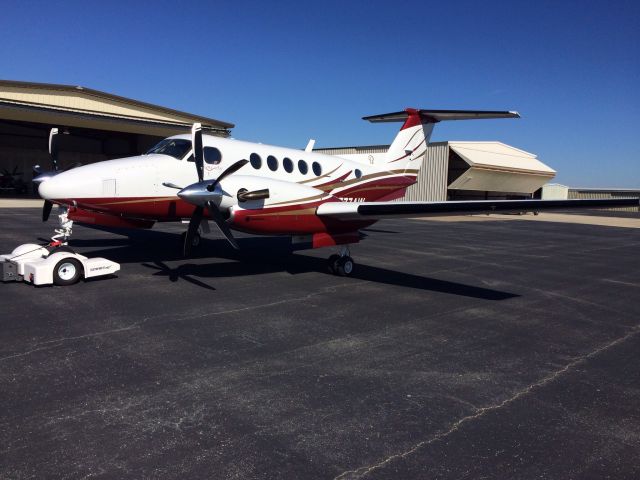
[47,188]
[63,185]
[43,177]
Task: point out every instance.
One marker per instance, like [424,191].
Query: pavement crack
[480,412]
[50,344]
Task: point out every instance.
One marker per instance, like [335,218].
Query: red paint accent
[151,208]
[395,195]
[413,120]
[335,180]
[141,212]
[286,221]
[320,240]
[106,220]
[57,243]
[371,191]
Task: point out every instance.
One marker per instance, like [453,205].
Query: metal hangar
[466,170]
[99,126]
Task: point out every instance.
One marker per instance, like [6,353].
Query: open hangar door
[493,170]
[24,145]
[93,126]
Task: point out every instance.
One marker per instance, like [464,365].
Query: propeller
[203,193]
[46,175]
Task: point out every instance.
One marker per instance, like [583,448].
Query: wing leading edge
[374,210]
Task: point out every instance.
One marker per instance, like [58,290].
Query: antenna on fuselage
[310,145]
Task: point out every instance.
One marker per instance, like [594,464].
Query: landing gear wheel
[344,266]
[195,241]
[67,272]
[332,264]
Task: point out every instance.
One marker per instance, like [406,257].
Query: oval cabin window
[256,161]
[272,163]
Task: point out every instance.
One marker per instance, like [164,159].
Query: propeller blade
[244,195]
[194,223]
[231,169]
[53,148]
[171,185]
[198,154]
[46,210]
[222,225]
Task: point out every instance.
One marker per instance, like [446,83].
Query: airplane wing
[376,210]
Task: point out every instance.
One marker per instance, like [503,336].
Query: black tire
[67,271]
[344,266]
[332,263]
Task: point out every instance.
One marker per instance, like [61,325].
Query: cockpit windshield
[175,147]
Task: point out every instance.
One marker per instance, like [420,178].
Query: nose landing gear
[341,264]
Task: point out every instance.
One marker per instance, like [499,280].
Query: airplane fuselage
[298,181]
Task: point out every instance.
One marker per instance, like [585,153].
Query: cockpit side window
[174,147]
[212,155]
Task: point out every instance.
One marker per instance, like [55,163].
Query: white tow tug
[53,263]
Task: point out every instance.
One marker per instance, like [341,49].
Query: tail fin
[408,148]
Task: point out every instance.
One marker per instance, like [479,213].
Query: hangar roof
[67,105]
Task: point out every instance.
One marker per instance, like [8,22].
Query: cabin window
[272,163]
[303,167]
[174,147]
[212,155]
[256,161]
[317,169]
[287,164]
[357,172]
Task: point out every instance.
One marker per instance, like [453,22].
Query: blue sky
[287,71]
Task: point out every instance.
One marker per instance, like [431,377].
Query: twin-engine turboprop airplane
[317,199]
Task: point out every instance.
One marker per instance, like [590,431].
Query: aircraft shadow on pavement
[257,255]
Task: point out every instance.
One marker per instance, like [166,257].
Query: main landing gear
[341,264]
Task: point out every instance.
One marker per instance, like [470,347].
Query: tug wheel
[67,272]
[332,263]
[344,266]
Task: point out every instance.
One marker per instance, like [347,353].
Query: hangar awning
[496,167]
[77,106]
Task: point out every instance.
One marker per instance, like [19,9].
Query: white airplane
[317,199]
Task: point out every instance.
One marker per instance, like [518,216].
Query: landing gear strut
[341,264]
[59,242]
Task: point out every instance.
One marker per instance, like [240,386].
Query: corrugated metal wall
[352,150]
[432,178]
[597,193]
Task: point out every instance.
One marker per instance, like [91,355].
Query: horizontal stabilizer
[374,210]
[435,116]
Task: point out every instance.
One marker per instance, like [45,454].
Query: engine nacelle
[280,192]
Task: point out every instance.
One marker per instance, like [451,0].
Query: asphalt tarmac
[496,349]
